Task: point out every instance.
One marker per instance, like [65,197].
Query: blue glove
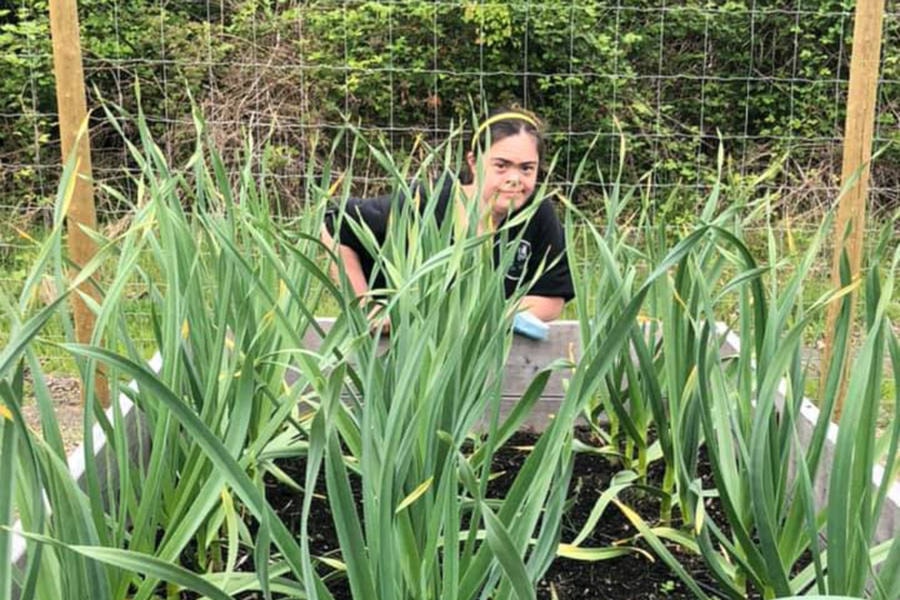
[525,323]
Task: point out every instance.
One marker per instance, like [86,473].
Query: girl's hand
[379,319]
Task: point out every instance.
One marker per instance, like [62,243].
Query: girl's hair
[501,124]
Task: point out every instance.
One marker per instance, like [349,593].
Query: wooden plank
[526,358]
[858,131]
[72,107]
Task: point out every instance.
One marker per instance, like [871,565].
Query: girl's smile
[508,175]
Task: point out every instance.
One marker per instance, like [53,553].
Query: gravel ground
[66,393]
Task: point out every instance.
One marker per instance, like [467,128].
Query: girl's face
[510,168]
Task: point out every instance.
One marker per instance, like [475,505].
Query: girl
[503,165]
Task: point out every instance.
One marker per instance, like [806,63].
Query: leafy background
[767,77]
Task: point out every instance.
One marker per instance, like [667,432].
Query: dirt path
[66,394]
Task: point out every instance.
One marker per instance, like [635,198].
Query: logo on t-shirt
[520,260]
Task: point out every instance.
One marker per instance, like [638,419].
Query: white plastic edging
[138,437]
[888,526]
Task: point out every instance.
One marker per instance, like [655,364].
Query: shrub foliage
[769,80]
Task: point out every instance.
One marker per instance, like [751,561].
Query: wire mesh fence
[767,81]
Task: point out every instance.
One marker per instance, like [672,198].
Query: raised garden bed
[586,580]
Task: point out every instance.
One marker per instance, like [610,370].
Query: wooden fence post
[72,107]
[858,132]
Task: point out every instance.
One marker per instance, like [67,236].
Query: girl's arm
[545,308]
[349,259]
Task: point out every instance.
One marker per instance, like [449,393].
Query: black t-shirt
[543,241]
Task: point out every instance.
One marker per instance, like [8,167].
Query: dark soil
[631,577]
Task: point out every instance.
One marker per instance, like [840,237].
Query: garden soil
[633,577]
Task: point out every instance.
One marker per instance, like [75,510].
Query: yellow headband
[502,117]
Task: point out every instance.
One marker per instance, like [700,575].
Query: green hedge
[671,79]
